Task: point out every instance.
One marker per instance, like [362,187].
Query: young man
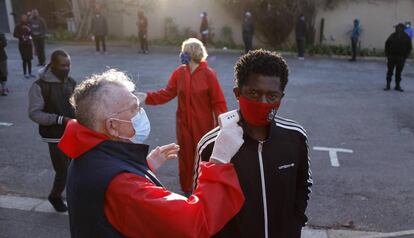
[50,108]
[272,164]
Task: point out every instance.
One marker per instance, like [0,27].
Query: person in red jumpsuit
[112,189]
[200,102]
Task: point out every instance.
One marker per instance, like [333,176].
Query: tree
[276,19]
[83,11]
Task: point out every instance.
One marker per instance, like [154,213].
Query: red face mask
[256,113]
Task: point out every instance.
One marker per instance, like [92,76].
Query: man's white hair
[91,97]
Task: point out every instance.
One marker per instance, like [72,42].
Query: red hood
[79,139]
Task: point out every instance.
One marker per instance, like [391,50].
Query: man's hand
[159,155]
[141,96]
[227,144]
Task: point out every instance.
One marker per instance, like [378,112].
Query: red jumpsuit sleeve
[137,207]
[217,97]
[166,94]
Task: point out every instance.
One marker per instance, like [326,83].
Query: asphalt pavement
[361,139]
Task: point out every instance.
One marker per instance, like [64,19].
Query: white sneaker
[301,58]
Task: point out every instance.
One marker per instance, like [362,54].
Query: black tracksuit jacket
[275,178]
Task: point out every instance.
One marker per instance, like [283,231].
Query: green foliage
[62,35]
[173,35]
[342,50]
[226,37]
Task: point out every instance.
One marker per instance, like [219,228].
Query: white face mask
[141,125]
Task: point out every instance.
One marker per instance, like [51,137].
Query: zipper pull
[260,146]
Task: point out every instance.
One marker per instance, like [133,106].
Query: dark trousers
[143,42]
[300,43]
[398,64]
[60,164]
[98,41]
[248,43]
[39,44]
[354,46]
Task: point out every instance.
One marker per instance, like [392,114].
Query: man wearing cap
[397,49]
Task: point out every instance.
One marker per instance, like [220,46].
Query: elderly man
[112,190]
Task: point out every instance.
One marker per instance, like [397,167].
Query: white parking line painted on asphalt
[27,204]
[333,153]
[6,124]
[389,235]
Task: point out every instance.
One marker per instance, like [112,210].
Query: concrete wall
[377,20]
[185,13]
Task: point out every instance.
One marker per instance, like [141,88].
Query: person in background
[50,108]
[3,65]
[39,29]
[99,31]
[204,32]
[355,34]
[248,32]
[273,163]
[23,33]
[300,36]
[397,49]
[112,189]
[142,24]
[200,102]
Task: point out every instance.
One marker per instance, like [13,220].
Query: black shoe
[58,204]
[399,89]
[387,88]
[352,60]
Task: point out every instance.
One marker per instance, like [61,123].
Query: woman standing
[24,34]
[200,102]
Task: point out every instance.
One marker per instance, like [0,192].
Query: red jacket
[216,200]
[200,102]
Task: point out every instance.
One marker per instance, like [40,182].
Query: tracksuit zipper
[262,178]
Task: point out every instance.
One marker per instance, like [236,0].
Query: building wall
[185,13]
[377,20]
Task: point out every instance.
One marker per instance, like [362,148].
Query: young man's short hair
[262,62]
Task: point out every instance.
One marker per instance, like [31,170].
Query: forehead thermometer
[228,118]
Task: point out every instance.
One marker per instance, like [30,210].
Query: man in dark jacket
[38,26]
[300,36]
[3,65]
[99,31]
[248,32]
[142,24]
[50,108]
[272,164]
[397,49]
